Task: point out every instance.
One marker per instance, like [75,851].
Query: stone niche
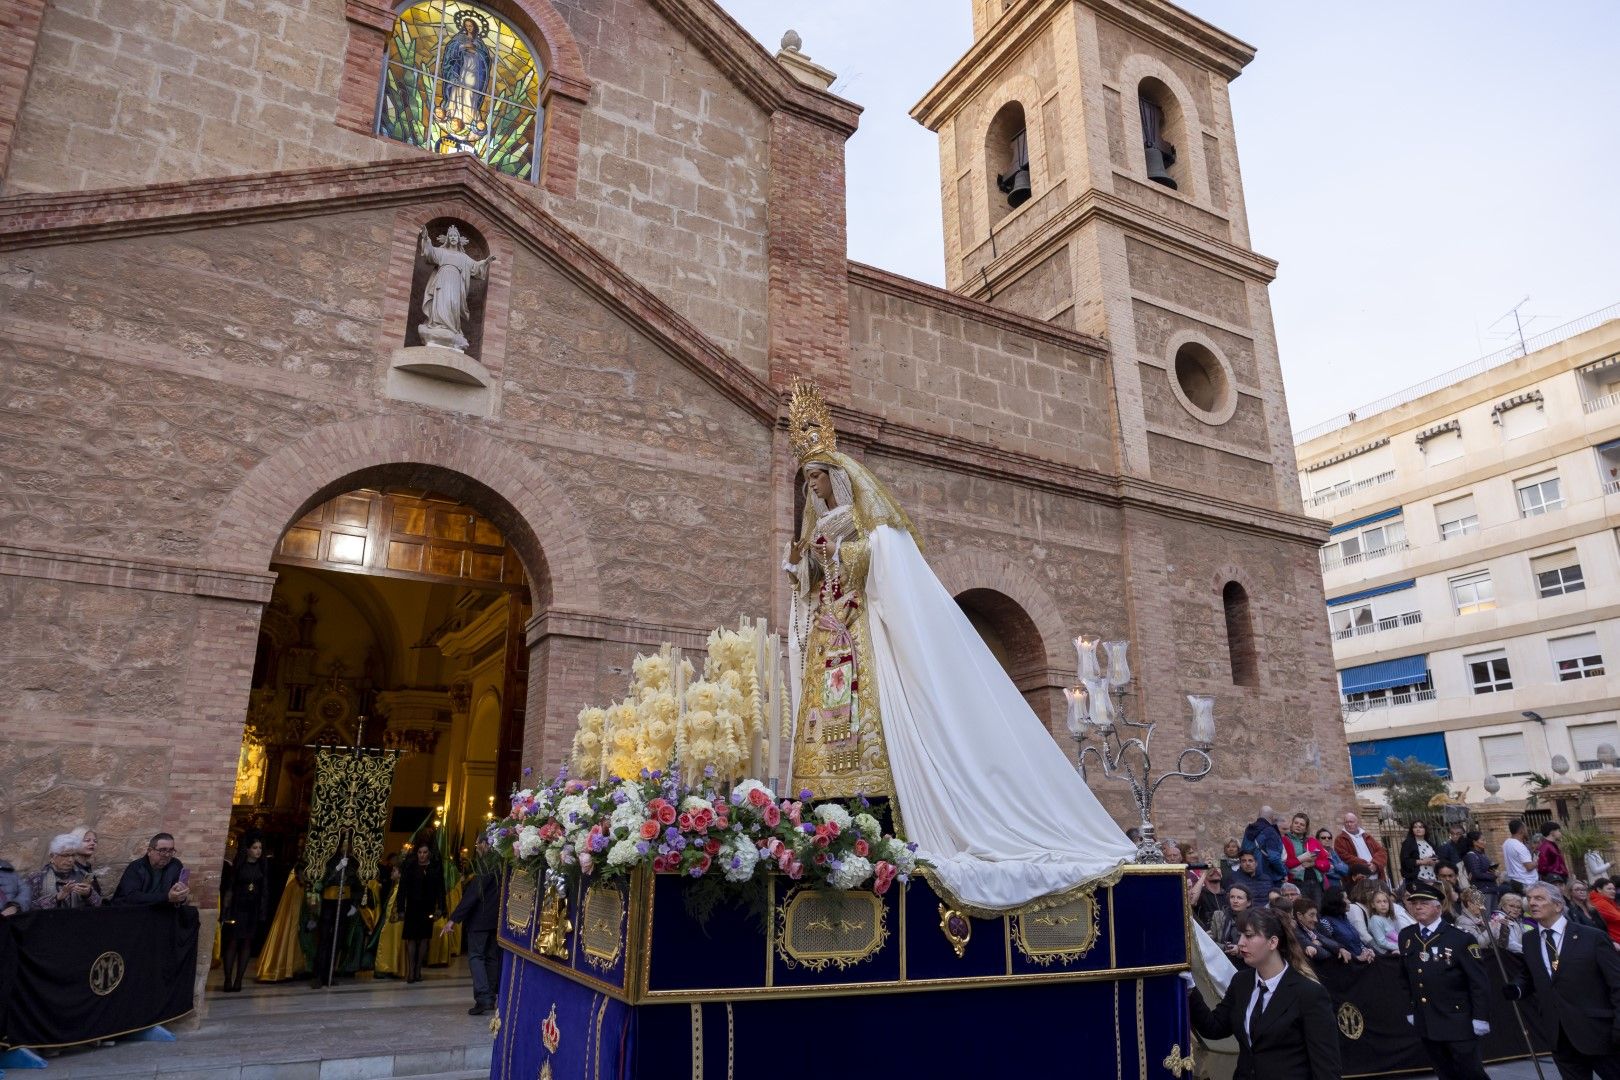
[427,368]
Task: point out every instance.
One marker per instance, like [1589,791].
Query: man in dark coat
[156,879]
[1448,992]
[479,911]
[1572,975]
[1264,839]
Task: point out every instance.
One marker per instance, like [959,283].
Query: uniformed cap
[1423,890]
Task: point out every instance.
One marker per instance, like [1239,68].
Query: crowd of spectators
[1344,894]
[70,879]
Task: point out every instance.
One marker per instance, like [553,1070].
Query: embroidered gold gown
[838,750]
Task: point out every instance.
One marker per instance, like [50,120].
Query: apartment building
[1472,577]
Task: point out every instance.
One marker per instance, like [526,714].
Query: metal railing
[1333,562]
[1348,489]
[1611,487]
[1411,618]
[1466,371]
[1387,701]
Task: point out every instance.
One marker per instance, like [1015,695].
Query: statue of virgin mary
[896,695]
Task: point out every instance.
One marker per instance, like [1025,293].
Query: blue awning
[1368,594]
[1367,759]
[1394,511]
[1405,671]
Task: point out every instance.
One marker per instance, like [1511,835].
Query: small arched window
[1240,635]
[461,80]
[1161,129]
[1006,160]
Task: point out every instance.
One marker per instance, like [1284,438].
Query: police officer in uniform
[1446,986]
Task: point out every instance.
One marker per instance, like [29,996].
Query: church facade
[222,227]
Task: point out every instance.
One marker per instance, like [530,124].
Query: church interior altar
[624,979]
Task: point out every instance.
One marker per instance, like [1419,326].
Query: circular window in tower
[1203,382]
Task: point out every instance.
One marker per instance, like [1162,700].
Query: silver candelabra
[1097,707]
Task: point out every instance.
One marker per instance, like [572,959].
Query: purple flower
[911,847]
[736,798]
[599,842]
[665,849]
[672,834]
[809,828]
[678,842]
[708,770]
[657,773]
[696,871]
[619,798]
[736,862]
[526,772]
[642,847]
[806,795]
[645,774]
[835,865]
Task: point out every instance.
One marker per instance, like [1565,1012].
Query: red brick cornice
[45,220]
[883,281]
[754,71]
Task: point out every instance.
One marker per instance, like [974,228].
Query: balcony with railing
[1384,701]
[1334,562]
[1393,622]
[1350,488]
[1597,404]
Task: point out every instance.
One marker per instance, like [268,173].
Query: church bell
[1160,156]
[1015,185]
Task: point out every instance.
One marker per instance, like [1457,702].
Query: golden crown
[810,422]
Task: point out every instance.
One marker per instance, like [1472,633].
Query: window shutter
[1443,448]
[1555,561]
[1586,738]
[1455,510]
[1505,755]
[1573,648]
[1523,420]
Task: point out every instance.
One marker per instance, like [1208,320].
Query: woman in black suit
[1281,1017]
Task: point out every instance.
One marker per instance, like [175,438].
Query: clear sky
[1417,169]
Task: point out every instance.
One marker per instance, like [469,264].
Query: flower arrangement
[602,831]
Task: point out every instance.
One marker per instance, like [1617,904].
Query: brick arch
[512,490]
[964,571]
[1024,90]
[565,88]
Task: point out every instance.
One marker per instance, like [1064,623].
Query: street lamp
[1096,708]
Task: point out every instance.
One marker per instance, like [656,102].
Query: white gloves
[1410,1019]
[1482,1028]
[1188,981]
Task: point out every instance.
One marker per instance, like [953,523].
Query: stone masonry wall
[948,372]
[673,158]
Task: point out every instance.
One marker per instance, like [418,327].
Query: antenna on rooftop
[1518,324]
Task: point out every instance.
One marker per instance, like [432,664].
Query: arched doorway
[396,624]
[1014,640]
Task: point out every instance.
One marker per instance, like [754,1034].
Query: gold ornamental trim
[1352,1025]
[957,928]
[601,926]
[821,927]
[106,972]
[1064,933]
[521,893]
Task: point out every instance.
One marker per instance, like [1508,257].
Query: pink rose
[757,797]
[666,814]
[712,847]
[861,848]
[660,864]
[822,840]
[686,822]
[702,864]
[649,830]
[773,816]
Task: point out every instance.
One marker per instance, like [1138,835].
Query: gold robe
[282,957]
[838,750]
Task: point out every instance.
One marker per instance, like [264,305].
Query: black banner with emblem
[77,976]
[1376,1040]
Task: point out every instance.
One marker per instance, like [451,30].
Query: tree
[1410,785]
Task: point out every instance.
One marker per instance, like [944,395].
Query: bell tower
[1089,176]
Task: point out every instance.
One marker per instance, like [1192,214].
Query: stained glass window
[460,80]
